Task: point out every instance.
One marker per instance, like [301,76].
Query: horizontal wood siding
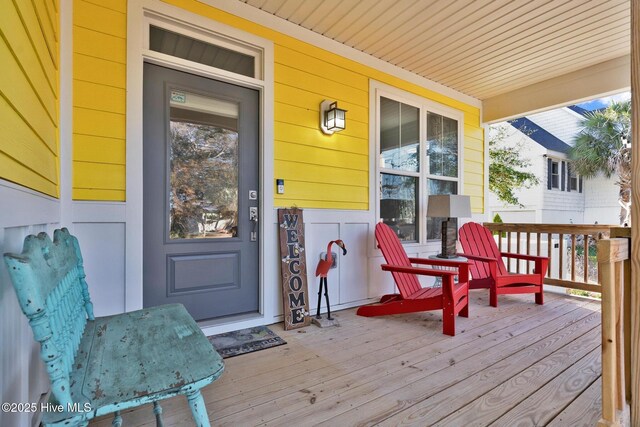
[319,171]
[99,99]
[29,91]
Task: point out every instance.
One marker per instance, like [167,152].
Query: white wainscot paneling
[103,246]
[22,374]
[353,267]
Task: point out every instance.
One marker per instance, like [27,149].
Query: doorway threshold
[230,323]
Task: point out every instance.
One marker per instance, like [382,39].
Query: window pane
[434,225]
[203,161]
[399,136]
[442,138]
[398,207]
[174,44]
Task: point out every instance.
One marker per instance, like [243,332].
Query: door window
[203,163]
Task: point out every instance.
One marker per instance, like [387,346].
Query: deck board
[402,370]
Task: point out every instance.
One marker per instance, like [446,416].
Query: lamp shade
[449,206]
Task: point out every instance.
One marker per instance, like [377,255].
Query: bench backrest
[49,280]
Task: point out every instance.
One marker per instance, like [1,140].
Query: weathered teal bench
[103,365]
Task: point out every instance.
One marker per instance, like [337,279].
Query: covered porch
[73,157]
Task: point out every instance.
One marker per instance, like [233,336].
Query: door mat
[245,341]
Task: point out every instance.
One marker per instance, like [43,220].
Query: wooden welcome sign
[293,268]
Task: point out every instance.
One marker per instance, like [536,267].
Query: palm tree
[604,146]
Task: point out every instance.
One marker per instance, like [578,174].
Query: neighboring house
[561,196]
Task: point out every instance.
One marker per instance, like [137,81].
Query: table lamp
[449,206]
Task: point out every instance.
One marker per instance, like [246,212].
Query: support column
[635,213]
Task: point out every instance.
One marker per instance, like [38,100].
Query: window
[400,167]
[418,155]
[573,179]
[555,174]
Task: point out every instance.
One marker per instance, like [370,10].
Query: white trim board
[280,25]
[140,14]
[27,207]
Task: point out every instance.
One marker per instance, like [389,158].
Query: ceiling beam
[606,78]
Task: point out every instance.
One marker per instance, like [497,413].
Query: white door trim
[138,14]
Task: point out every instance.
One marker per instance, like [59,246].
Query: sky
[603,102]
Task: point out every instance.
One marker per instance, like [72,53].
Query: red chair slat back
[394,254]
[478,240]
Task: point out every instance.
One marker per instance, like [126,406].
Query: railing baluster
[549,244]
[518,251]
[500,240]
[527,270]
[586,258]
[573,257]
[560,249]
[508,250]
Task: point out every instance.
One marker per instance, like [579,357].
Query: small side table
[438,280]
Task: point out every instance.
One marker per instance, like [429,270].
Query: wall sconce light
[332,118]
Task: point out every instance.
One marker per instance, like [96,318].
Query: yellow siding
[332,172]
[29,94]
[99,90]
[320,171]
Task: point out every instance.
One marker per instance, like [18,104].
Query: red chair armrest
[523,256]
[439,262]
[478,258]
[417,270]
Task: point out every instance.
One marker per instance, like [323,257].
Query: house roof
[539,135]
[578,110]
[479,48]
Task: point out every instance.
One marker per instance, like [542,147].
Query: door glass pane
[442,137]
[203,162]
[434,225]
[398,207]
[399,136]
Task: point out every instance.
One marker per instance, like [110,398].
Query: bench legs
[198,410]
[157,410]
[117,420]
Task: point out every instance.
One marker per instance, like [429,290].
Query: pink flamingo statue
[322,270]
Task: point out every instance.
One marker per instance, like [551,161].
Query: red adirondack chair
[452,298]
[488,269]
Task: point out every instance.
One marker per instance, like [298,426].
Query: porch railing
[571,248]
[615,267]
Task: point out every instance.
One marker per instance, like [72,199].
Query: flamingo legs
[323,281]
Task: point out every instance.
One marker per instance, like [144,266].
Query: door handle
[253,213]
[253,217]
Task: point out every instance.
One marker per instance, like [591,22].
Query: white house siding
[561,123]
[531,199]
[601,201]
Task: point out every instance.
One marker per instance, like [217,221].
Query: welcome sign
[293,268]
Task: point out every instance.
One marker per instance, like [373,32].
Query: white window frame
[424,105]
[575,176]
[559,174]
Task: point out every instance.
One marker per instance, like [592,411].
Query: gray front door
[200,187]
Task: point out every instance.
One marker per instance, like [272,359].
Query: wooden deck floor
[520,364]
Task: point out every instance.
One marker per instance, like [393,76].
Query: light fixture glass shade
[332,118]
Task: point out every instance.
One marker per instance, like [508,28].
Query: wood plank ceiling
[482,48]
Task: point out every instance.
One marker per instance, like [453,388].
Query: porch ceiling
[480,48]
